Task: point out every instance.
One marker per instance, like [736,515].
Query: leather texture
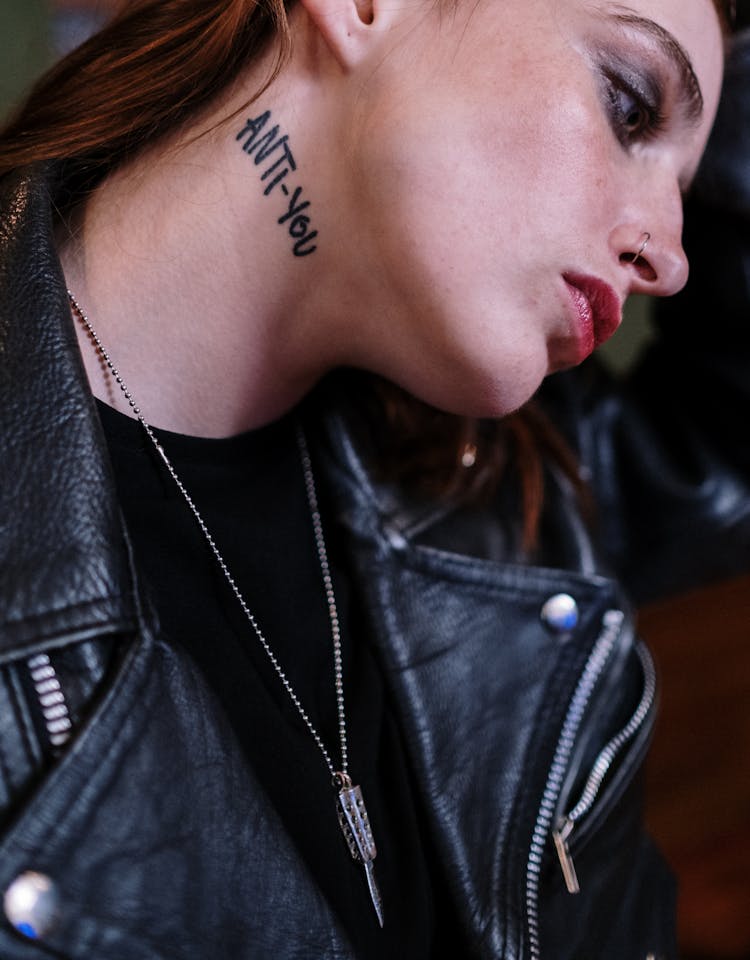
[159,840]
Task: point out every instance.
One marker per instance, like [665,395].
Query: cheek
[445,183]
[471,213]
[564,154]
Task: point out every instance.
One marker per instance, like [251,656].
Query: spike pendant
[355,825]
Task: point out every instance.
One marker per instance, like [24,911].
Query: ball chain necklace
[350,809]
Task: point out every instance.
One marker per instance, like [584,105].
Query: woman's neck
[208,290]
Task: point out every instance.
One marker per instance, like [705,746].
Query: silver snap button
[560,613]
[30,904]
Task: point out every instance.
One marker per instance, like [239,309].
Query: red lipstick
[596,308]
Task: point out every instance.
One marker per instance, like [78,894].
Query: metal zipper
[564,827]
[51,699]
[612,624]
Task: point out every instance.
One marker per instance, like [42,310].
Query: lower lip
[595,314]
[584,338]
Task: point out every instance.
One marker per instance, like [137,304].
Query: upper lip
[605,306]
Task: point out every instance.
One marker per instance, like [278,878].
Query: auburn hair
[152,68]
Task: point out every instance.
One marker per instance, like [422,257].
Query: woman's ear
[346,26]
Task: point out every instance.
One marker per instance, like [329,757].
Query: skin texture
[458,164]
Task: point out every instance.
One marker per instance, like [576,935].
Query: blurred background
[34,32]
[699,772]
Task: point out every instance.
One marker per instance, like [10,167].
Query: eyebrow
[677,56]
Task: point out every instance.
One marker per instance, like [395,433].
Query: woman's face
[505,163]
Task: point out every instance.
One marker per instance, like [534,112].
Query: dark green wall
[24,47]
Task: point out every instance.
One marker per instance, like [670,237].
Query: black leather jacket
[126,796]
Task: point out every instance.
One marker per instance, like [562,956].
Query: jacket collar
[63,552]
[63,547]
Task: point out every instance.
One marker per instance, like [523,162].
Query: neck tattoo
[271,152]
[350,809]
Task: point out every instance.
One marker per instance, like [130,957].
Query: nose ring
[646,237]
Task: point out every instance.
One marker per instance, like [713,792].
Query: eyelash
[637,123]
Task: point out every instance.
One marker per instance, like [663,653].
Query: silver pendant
[355,825]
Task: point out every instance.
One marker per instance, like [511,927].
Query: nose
[656,267]
[648,245]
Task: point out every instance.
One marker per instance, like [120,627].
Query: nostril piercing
[636,256]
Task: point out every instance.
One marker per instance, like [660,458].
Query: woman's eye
[633,118]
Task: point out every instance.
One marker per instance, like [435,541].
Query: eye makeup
[658,45]
[633,97]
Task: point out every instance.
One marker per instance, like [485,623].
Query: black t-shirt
[250,492]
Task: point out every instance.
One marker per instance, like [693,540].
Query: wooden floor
[699,770]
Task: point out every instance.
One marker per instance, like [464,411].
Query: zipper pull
[560,836]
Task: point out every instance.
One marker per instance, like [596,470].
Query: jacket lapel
[70,578]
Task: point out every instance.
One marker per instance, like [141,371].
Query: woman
[211,615]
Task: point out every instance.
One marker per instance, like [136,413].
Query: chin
[496,395]
[482,395]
